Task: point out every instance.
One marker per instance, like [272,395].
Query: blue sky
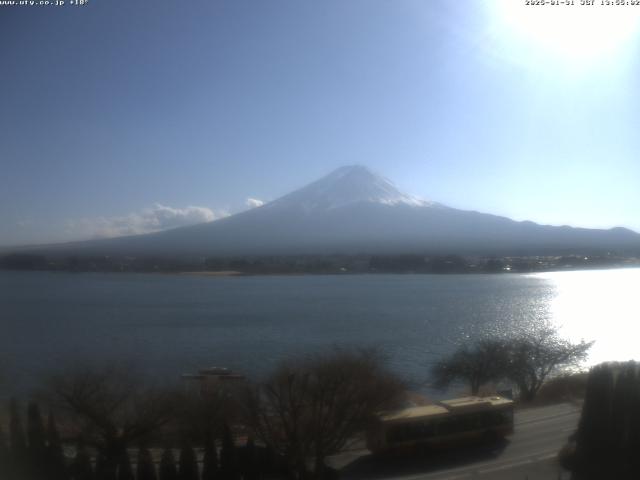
[125,116]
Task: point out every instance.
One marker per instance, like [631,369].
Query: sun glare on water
[575,35]
[598,305]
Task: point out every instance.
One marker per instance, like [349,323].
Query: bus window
[494,419]
[410,432]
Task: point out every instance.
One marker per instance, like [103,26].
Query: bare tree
[312,408]
[527,359]
[202,415]
[111,407]
[534,356]
[476,365]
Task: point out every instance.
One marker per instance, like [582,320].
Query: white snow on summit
[345,186]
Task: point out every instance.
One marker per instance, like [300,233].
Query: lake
[171,324]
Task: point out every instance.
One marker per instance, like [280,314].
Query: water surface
[170,324]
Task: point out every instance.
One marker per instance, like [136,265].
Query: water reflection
[600,306]
[172,324]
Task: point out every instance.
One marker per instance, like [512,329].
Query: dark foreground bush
[608,438]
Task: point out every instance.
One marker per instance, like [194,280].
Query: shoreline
[238,273]
[207,273]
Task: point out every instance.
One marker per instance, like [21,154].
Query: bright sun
[578,34]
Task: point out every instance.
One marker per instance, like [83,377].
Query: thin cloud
[253,202]
[154,219]
[24,223]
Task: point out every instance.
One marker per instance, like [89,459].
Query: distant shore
[221,273]
[338,264]
[235,273]
[206,273]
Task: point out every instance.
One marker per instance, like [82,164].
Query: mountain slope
[353,210]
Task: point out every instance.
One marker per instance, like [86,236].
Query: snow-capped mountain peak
[345,186]
[354,211]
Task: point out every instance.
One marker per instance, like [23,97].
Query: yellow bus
[448,423]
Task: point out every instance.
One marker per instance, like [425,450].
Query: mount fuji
[355,211]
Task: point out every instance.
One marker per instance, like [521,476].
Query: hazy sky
[128,116]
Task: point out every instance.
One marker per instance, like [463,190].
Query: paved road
[530,453]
